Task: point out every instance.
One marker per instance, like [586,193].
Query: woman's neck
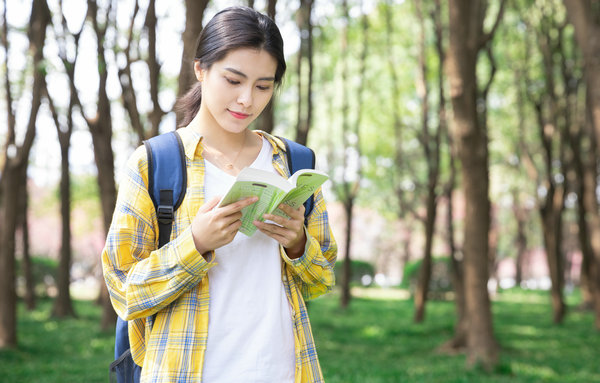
[216,137]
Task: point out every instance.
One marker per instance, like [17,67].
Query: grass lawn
[374,341]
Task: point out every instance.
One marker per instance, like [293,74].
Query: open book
[271,190]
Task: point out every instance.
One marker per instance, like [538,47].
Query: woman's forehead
[249,62]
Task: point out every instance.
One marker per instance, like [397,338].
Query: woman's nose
[245,97]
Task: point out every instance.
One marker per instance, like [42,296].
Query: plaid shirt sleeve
[142,280]
[315,267]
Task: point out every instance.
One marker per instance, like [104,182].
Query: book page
[307,182]
[270,189]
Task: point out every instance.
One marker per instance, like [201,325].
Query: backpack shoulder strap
[167,179]
[300,157]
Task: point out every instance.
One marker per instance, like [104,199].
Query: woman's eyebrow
[235,71]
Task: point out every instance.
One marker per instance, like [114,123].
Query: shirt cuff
[188,256]
[311,249]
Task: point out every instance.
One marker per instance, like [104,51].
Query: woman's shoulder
[275,141]
[138,159]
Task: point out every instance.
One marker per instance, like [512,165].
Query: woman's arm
[315,267]
[142,280]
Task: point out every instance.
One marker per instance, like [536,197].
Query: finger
[276,232]
[239,205]
[233,228]
[295,213]
[208,206]
[274,229]
[277,219]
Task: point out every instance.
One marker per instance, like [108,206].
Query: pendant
[229,166]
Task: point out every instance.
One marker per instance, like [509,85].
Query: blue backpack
[167,183]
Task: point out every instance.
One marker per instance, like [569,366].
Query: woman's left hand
[289,232]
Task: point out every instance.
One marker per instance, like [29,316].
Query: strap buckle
[164,214]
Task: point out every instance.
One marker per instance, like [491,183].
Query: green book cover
[271,190]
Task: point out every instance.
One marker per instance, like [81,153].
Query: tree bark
[466,41]
[29,296]
[430,142]
[588,220]
[345,197]
[521,239]
[266,120]
[347,270]
[585,17]
[63,306]
[271,8]
[101,129]
[15,164]
[591,218]
[194,12]
[305,52]
[349,188]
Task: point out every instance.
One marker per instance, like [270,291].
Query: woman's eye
[263,87]
[232,82]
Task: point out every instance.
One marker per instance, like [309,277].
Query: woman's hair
[230,29]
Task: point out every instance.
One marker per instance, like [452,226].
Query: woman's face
[236,89]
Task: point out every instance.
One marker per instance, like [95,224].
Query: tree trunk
[193,26]
[348,190]
[266,120]
[156,114]
[30,301]
[63,306]
[271,8]
[547,109]
[15,165]
[521,240]
[585,17]
[194,12]
[466,40]
[430,143]
[586,195]
[23,224]
[426,265]
[347,271]
[8,297]
[552,228]
[592,219]
[101,129]
[304,22]
[459,340]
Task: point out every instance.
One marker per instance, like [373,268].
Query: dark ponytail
[188,105]
[230,29]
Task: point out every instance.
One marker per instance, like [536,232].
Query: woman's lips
[238,115]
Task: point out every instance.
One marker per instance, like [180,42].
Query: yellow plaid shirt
[172,284]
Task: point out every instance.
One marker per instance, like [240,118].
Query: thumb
[208,206]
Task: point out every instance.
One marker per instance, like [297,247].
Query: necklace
[229,165]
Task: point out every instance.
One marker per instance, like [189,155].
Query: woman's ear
[198,71]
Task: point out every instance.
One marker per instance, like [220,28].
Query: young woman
[214,305]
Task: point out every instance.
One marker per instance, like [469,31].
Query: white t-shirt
[250,335]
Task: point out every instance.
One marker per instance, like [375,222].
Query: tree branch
[487,37]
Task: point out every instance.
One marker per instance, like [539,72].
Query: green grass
[374,341]
[51,350]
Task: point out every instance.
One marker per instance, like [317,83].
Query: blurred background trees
[464,131]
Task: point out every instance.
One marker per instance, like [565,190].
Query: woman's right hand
[214,227]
